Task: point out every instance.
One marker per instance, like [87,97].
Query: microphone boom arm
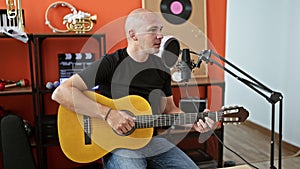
[205,55]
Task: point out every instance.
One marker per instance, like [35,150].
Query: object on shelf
[14,10]
[13,25]
[77,21]
[20,83]
[72,63]
[52,85]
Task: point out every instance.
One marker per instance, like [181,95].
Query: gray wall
[263,39]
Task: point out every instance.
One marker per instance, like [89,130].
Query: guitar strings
[171,119]
[165,120]
[162,120]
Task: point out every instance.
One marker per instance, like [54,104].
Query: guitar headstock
[234,115]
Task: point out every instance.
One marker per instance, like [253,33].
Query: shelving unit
[45,121]
[28,90]
[10,96]
[20,90]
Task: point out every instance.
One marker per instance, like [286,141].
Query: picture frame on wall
[185,20]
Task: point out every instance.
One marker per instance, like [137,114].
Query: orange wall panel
[216,32]
[14,60]
[106,11]
[14,55]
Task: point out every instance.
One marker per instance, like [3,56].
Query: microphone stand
[205,55]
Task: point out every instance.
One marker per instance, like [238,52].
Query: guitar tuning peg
[229,107]
[236,123]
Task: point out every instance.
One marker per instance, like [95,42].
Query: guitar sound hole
[130,131]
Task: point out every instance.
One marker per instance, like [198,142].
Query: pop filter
[169,51]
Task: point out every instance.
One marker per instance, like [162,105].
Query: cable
[213,132]
[187,92]
[233,151]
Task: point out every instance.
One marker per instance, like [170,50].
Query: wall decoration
[76,21]
[186,21]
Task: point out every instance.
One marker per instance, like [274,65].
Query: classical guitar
[84,139]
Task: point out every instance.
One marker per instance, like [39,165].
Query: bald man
[133,70]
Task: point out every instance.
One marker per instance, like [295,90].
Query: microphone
[185,65]
[169,52]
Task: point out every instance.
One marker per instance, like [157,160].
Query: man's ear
[132,35]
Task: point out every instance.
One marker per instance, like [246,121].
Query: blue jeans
[158,154]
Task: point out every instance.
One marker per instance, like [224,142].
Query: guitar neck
[163,120]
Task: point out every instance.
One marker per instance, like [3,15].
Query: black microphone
[186,65]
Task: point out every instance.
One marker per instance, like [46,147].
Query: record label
[176,11]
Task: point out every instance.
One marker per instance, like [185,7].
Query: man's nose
[159,35]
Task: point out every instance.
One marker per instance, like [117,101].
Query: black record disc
[176,11]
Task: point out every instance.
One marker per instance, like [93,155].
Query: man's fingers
[210,123]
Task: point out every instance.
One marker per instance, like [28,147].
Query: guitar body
[103,138]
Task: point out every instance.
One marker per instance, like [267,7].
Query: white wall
[263,39]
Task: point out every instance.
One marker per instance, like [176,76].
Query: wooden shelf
[16,91]
[205,81]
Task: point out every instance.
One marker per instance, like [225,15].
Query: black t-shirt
[118,75]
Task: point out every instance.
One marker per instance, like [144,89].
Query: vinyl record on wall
[176,11]
[186,21]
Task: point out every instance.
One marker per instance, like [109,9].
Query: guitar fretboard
[149,121]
